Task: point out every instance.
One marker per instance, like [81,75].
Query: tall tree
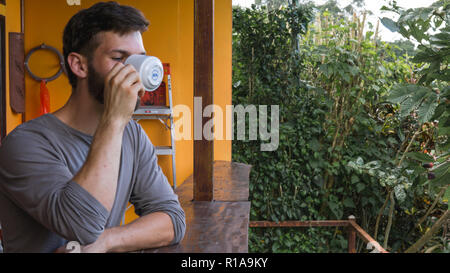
[276,4]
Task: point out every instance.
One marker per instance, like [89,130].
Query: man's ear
[78,64]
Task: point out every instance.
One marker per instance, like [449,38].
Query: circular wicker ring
[46,47]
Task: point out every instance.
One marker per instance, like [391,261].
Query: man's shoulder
[28,133]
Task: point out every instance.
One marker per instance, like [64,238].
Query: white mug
[150,70]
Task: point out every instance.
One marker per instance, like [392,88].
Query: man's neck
[82,112]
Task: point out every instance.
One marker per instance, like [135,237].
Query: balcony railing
[353,230]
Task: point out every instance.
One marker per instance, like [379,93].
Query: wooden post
[203,88]
[351,236]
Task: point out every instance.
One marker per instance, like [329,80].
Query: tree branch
[380,213]
[389,224]
[436,200]
[429,234]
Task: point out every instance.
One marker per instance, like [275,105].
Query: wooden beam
[203,88]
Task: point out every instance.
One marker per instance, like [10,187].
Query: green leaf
[346,77]
[400,92]
[336,209]
[442,180]
[314,144]
[354,179]
[442,39]
[275,247]
[354,70]
[447,197]
[407,106]
[401,135]
[325,70]
[348,203]
[390,24]
[442,169]
[359,161]
[443,131]
[422,157]
[426,110]
[360,187]
[439,111]
[417,96]
[427,55]
[399,192]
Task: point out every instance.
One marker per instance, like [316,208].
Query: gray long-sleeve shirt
[42,208]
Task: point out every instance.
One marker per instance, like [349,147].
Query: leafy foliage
[428,99]
[402,48]
[344,149]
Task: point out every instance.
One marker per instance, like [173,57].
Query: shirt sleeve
[34,177]
[152,192]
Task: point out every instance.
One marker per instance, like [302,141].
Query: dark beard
[96,86]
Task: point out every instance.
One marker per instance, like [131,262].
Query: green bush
[341,142]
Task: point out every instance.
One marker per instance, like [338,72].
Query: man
[68,176]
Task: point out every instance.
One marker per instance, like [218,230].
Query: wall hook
[61,62]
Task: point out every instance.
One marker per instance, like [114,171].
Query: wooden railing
[353,229]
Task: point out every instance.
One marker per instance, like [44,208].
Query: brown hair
[81,30]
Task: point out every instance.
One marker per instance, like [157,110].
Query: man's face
[113,48]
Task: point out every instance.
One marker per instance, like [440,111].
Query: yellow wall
[170,37]
[13,21]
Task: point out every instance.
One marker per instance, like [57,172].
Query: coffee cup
[150,70]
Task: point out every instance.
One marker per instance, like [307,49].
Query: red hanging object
[45,99]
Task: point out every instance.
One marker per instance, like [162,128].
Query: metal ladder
[165,115]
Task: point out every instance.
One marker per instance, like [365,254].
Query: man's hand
[122,88]
[75,247]
[99,246]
